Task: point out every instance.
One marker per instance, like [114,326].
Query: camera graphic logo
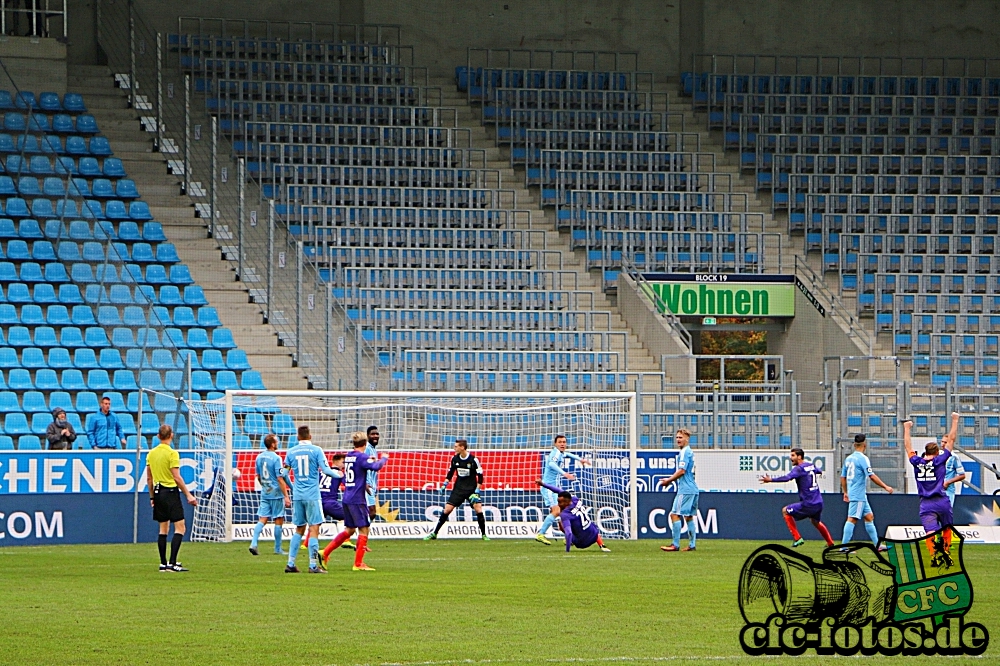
[911,601]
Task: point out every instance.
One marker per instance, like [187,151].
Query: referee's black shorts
[457,497]
[167,505]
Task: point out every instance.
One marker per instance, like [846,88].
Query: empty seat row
[60,123]
[85,358]
[852,105]
[226,96]
[62,165]
[53,186]
[89,251]
[260,155]
[46,101]
[503,361]
[81,230]
[338,114]
[96,337]
[72,379]
[96,294]
[132,316]
[112,209]
[52,144]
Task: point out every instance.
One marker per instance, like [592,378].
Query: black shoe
[165,568]
[177,567]
[289,569]
[253,551]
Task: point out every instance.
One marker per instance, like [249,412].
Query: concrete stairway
[638,357]
[203,255]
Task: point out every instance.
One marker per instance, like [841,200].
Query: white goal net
[510,434]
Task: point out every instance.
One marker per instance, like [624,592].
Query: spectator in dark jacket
[104,431]
[60,432]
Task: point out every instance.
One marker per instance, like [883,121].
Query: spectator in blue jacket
[104,431]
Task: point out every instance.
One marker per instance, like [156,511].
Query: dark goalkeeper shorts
[167,506]
[457,497]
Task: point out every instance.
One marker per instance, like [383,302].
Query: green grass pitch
[446,602]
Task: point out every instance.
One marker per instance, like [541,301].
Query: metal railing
[843,65]
[372,33]
[41,18]
[257,242]
[812,284]
[672,320]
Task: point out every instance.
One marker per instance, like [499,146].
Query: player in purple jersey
[576,525]
[357,464]
[810,504]
[329,495]
[935,508]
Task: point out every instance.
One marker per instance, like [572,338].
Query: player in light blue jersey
[854,477]
[553,472]
[686,502]
[372,480]
[306,461]
[954,473]
[273,479]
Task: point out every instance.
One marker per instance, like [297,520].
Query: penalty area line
[613,660]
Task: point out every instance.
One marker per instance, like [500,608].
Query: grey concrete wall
[928,28]
[441,30]
[647,325]
[36,65]
[808,338]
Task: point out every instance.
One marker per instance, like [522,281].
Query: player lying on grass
[357,464]
[468,475]
[935,509]
[329,494]
[553,473]
[272,475]
[576,525]
[810,504]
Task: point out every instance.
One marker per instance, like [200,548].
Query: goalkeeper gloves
[475,498]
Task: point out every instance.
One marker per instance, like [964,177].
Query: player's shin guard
[792,527]
[872,532]
[337,542]
[848,532]
[692,537]
[175,547]
[359,553]
[675,531]
[482,523]
[258,528]
[825,533]
[293,550]
[161,543]
[277,538]
[313,552]
[546,524]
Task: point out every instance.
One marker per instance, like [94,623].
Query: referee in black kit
[163,476]
[468,475]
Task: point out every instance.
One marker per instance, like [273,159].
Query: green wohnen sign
[722,295]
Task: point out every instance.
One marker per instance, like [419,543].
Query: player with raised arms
[329,493]
[273,479]
[468,475]
[935,509]
[357,464]
[854,484]
[685,505]
[810,504]
[307,461]
[576,523]
[552,473]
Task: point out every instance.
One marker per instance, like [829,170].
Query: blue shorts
[800,511]
[370,498]
[271,508]
[549,498]
[685,505]
[307,512]
[333,509]
[356,515]
[858,509]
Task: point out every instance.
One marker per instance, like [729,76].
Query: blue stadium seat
[8,358]
[170,295]
[46,379]
[184,317]
[31,272]
[66,166]
[57,315]
[49,101]
[29,443]
[113,168]
[29,229]
[45,336]
[139,211]
[89,167]
[173,381]
[211,360]
[73,102]
[86,402]
[108,315]
[62,400]
[198,339]
[72,380]
[208,317]
[40,423]
[111,359]
[255,424]
[173,337]
[201,381]
[20,380]
[53,187]
[166,253]
[102,188]
[125,189]
[135,359]
[63,124]
[33,358]
[55,274]
[194,295]
[96,337]
[157,274]
[163,359]
[83,316]
[182,359]
[71,337]
[160,316]
[129,231]
[124,380]
[85,359]
[99,146]
[251,380]
[115,209]
[226,380]
[152,232]
[6,443]
[86,124]
[142,253]
[98,380]
[40,165]
[59,359]
[16,424]
[132,402]
[151,380]
[34,403]
[284,425]
[69,294]
[75,145]
[31,315]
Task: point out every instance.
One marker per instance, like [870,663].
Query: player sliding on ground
[468,482]
[552,474]
[272,475]
[306,461]
[576,525]
[810,504]
[935,509]
[357,464]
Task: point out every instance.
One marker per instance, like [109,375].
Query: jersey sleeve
[552,464]
[451,469]
[793,473]
[959,468]
[175,459]
[567,526]
[480,475]
[843,469]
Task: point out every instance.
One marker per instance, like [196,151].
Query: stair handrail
[815,286]
[645,287]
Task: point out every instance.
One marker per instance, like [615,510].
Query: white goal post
[510,433]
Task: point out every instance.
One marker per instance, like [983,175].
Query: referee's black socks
[161,543]
[175,545]
[482,522]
